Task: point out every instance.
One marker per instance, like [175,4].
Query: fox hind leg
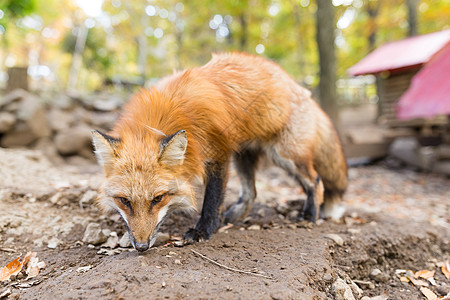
[308,179]
[245,162]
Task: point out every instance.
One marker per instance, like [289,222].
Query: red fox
[188,127]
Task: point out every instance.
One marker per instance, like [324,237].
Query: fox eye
[124,201]
[157,199]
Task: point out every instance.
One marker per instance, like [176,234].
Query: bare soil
[396,219]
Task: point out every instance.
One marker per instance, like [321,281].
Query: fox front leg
[217,176]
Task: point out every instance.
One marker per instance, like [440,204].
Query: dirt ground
[396,220]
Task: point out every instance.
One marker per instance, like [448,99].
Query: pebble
[112,241]
[335,238]
[94,234]
[380,297]
[379,276]
[342,290]
[125,240]
[254,227]
[177,262]
[53,243]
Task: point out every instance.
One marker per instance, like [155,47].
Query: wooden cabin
[395,64]
[413,86]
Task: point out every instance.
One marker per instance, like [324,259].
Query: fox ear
[173,148]
[105,146]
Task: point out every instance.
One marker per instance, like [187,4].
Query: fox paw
[193,235]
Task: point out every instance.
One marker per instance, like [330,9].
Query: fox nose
[141,246]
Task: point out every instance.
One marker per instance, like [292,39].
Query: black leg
[214,193]
[246,162]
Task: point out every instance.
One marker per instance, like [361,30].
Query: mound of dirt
[397,224]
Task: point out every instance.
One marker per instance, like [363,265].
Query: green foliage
[128,46]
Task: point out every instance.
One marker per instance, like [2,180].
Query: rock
[107,104]
[94,234]
[88,198]
[53,243]
[161,238]
[73,140]
[19,136]
[7,121]
[335,238]
[380,297]
[254,227]
[31,121]
[378,276]
[60,120]
[13,96]
[32,112]
[102,119]
[112,241]
[342,291]
[125,241]
[47,147]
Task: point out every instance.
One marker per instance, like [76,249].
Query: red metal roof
[429,92]
[402,54]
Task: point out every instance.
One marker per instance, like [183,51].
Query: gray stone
[20,136]
[13,96]
[125,241]
[60,120]
[88,198]
[380,297]
[7,121]
[94,234]
[378,275]
[32,113]
[342,291]
[73,140]
[335,238]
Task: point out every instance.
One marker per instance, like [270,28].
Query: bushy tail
[330,163]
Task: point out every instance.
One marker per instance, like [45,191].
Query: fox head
[144,180]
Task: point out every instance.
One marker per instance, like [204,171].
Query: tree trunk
[412,16]
[17,79]
[142,48]
[244,29]
[325,41]
[77,58]
[372,11]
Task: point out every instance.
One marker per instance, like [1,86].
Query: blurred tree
[412,16]
[325,41]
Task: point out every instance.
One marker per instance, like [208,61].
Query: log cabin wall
[391,88]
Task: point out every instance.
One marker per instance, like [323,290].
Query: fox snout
[142,244]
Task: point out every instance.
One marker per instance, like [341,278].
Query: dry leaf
[446,269]
[432,281]
[14,267]
[428,293]
[418,282]
[404,279]
[32,268]
[425,274]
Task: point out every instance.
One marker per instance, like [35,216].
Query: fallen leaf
[432,281]
[226,227]
[418,282]
[84,269]
[446,269]
[32,268]
[425,274]
[404,279]
[14,267]
[428,293]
